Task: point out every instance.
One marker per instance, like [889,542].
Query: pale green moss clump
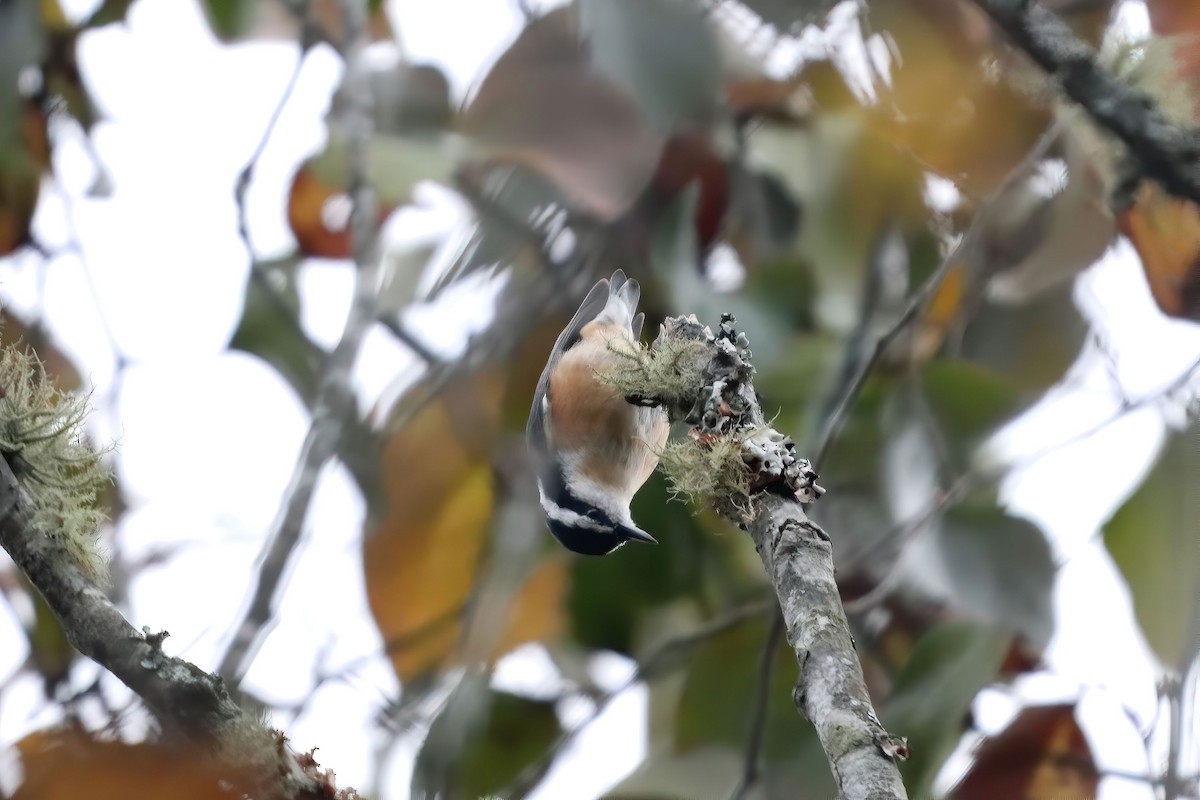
[41,438]
[1150,65]
[669,373]
[708,469]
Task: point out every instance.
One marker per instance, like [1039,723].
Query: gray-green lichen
[669,373]
[42,439]
[710,470]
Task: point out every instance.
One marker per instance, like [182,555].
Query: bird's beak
[636,534]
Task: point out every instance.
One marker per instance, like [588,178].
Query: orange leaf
[538,611]
[422,560]
[66,765]
[315,220]
[1042,755]
[319,215]
[1165,231]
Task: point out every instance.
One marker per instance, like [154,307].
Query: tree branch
[183,697]
[1164,152]
[191,705]
[335,400]
[722,406]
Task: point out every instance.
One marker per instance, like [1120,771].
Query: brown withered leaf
[544,106]
[1165,231]
[1042,755]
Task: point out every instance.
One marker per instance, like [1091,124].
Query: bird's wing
[535,431]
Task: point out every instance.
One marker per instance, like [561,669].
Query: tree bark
[798,558]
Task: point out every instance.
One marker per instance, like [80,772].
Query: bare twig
[258,272]
[923,295]
[1163,152]
[762,701]
[335,400]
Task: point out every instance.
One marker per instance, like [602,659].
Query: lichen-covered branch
[707,381]
[1162,151]
[191,705]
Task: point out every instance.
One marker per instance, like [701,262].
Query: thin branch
[258,272]
[1163,152]
[987,476]
[923,295]
[246,175]
[335,400]
[855,365]
[796,553]
[762,698]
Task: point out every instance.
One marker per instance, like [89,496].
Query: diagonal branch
[1164,152]
[191,705]
[335,399]
[716,397]
[183,697]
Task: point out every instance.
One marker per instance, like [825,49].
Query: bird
[592,449]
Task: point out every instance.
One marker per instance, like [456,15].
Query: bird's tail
[623,296]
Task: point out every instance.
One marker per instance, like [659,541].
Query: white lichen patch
[41,438]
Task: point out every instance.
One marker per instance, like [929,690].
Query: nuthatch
[593,449]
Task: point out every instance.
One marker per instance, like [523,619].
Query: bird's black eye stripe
[566,500]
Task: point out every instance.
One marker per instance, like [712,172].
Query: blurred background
[961,302]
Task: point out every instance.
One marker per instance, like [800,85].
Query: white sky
[207,438]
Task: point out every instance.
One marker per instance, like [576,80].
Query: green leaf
[968,402]
[396,164]
[661,52]
[518,733]
[229,18]
[716,705]
[482,741]
[110,11]
[1154,538]
[674,257]
[270,328]
[935,689]
[1031,345]
[1000,569]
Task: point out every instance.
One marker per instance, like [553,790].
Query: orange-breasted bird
[593,449]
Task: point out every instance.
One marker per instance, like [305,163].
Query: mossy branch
[50,482]
[41,437]
[752,475]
